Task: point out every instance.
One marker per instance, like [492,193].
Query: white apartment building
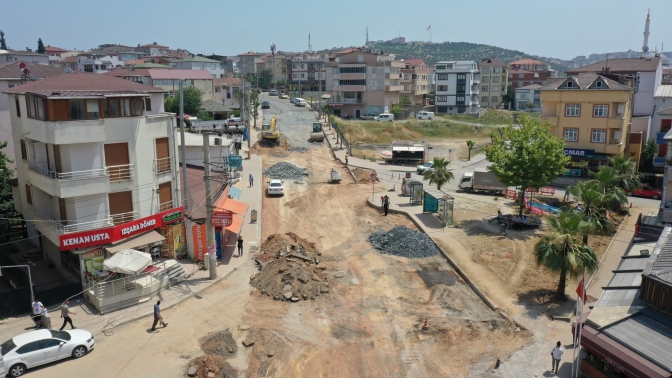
[457,87]
[95,64]
[200,63]
[95,157]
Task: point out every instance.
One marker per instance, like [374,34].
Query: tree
[6,198]
[404,101]
[203,115]
[530,157]
[648,153]
[265,78]
[562,249]
[626,171]
[439,173]
[470,146]
[40,47]
[607,182]
[510,97]
[3,42]
[396,109]
[193,99]
[592,209]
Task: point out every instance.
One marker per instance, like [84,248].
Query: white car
[276,187]
[40,347]
[424,115]
[273,93]
[428,166]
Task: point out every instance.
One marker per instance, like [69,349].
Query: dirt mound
[219,343]
[265,147]
[363,175]
[212,364]
[268,347]
[289,269]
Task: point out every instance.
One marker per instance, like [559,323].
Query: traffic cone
[425,326]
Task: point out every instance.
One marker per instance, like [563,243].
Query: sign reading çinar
[222,219]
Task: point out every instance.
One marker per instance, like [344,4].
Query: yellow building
[592,114]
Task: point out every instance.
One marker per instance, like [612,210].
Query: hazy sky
[561,29]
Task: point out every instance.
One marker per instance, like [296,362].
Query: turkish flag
[581,291]
[608,214]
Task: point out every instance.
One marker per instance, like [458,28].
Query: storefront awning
[144,239]
[233,206]
[236,224]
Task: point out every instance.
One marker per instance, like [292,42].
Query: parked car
[283,95]
[300,102]
[386,117]
[369,117]
[425,167]
[646,191]
[43,346]
[276,187]
[265,105]
[424,115]
[273,93]
[291,99]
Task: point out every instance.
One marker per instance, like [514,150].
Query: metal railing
[110,287]
[120,172]
[116,173]
[56,225]
[163,165]
[122,218]
[164,206]
[91,225]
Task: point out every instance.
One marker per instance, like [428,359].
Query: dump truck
[481,180]
[317,135]
[270,132]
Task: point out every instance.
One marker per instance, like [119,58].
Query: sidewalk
[198,280]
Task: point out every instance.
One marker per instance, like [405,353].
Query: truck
[481,180]
[270,132]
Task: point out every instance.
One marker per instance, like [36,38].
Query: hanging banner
[176,241]
[198,236]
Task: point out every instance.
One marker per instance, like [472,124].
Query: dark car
[265,105]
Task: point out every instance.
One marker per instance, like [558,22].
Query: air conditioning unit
[218,141]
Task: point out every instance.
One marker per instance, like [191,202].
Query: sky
[546,28]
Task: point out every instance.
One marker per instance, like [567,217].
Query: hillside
[434,52]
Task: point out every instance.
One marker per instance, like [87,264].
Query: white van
[424,115]
[299,102]
[273,93]
[386,117]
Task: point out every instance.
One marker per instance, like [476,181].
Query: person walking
[37,309]
[566,197]
[557,356]
[346,158]
[251,180]
[157,316]
[386,204]
[65,314]
[240,245]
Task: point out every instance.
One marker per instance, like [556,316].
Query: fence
[343,139]
[17,302]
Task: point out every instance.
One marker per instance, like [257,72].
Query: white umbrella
[128,261]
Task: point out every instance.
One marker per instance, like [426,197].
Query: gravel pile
[284,170]
[403,241]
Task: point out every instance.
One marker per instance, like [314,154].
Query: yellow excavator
[270,132]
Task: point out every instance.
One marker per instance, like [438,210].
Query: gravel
[403,241]
[284,170]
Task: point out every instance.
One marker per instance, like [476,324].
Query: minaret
[367,36]
[645,47]
[310,47]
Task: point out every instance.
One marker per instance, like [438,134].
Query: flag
[581,291]
[608,214]
[429,27]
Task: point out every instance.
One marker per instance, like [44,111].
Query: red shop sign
[108,235]
[222,219]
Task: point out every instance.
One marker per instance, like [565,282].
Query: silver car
[276,188]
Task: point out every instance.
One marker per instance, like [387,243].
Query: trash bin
[46,321]
[206,260]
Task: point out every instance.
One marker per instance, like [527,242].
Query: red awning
[236,224]
[618,355]
[232,206]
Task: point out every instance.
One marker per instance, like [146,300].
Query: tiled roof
[226,81]
[514,71]
[82,85]
[620,65]
[149,65]
[491,62]
[528,61]
[585,80]
[121,72]
[196,58]
[11,70]
[664,91]
[54,48]
[17,52]
[180,74]
[416,62]
[136,61]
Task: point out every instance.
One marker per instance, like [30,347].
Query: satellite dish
[22,65]
[25,71]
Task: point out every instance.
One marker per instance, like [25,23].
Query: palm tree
[439,173]
[470,145]
[626,170]
[592,208]
[607,181]
[562,249]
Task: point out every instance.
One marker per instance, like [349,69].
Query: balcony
[476,81]
[616,123]
[394,76]
[394,88]
[164,206]
[73,184]
[350,88]
[162,166]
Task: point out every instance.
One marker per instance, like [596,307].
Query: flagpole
[575,336]
[583,302]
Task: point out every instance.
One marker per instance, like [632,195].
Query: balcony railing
[116,173]
[162,165]
[56,225]
[122,218]
[164,206]
[86,226]
[120,172]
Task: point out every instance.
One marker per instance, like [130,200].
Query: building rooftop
[196,58]
[54,48]
[154,45]
[491,62]
[250,53]
[180,74]
[664,91]
[531,86]
[10,70]
[126,71]
[152,65]
[226,81]
[620,65]
[529,61]
[587,81]
[18,52]
[73,85]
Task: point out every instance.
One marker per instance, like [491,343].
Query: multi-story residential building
[361,82]
[529,98]
[457,87]
[592,114]
[95,152]
[97,64]
[225,89]
[169,80]
[278,65]
[307,70]
[494,82]
[526,72]
[661,121]
[195,62]
[112,48]
[26,56]
[247,63]
[415,80]
[153,49]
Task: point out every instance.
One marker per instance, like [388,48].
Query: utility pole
[209,230]
[184,149]
[273,62]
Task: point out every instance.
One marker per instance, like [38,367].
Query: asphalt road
[295,122]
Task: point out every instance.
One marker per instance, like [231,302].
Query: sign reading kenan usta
[83,239]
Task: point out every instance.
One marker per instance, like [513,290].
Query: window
[335,83]
[77,108]
[112,108]
[48,343]
[600,110]
[520,76]
[353,82]
[571,135]
[495,88]
[572,110]
[335,70]
[30,347]
[303,75]
[125,107]
[486,70]
[598,136]
[484,88]
[406,77]
[537,96]
[352,70]
[620,109]
[442,77]
[495,99]
[136,106]
[459,99]
[18,106]
[442,88]
[484,99]
[486,79]
[407,87]
[495,70]
[92,111]
[360,58]
[24,150]
[35,106]
[294,76]
[460,109]
[29,195]
[495,79]
[442,109]
[374,83]
[598,84]
[617,135]
[441,98]
[218,89]
[374,70]
[510,76]
[461,88]
[461,76]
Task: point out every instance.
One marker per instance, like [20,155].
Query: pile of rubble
[403,241]
[290,269]
[210,367]
[220,343]
[284,170]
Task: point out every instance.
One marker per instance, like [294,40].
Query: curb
[444,254]
[331,148]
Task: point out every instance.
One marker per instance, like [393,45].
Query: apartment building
[195,62]
[307,70]
[96,165]
[361,82]
[526,72]
[592,114]
[278,65]
[169,79]
[457,87]
[97,64]
[247,62]
[415,80]
[529,98]
[153,49]
[26,56]
[494,82]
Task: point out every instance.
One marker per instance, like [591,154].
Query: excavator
[270,132]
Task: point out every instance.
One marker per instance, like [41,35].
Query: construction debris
[284,170]
[219,344]
[210,366]
[403,241]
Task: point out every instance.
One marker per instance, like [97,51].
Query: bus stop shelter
[438,203]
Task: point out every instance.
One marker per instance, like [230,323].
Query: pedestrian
[240,245]
[497,218]
[557,356]
[382,200]
[37,310]
[157,316]
[386,204]
[566,197]
[251,180]
[65,314]
[346,158]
